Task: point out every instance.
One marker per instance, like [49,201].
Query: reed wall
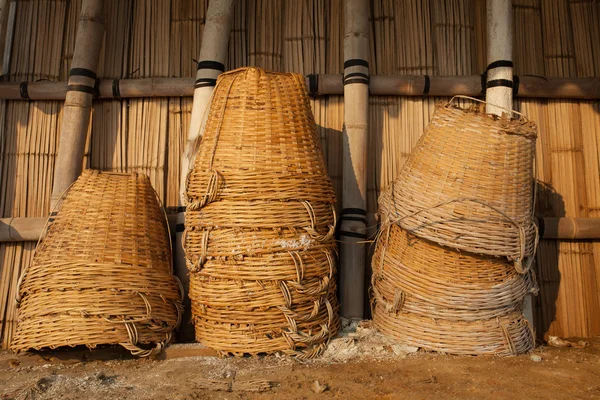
[159,38]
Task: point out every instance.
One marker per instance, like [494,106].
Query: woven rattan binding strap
[260,221]
[468,184]
[102,272]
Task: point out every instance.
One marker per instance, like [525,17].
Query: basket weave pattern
[476,171]
[260,221]
[102,273]
[452,263]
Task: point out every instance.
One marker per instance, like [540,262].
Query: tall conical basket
[102,272]
[260,221]
[468,184]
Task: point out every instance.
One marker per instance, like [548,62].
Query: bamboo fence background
[159,38]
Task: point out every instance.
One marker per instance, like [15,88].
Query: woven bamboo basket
[417,274]
[260,142]
[508,335]
[102,272]
[468,184]
[260,221]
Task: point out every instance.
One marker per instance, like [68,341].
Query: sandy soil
[367,369]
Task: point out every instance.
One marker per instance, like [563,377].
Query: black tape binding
[358,211]
[541,227]
[82,88]
[211,65]
[82,72]
[203,82]
[116,91]
[179,228]
[181,209]
[356,77]
[356,62]
[353,234]
[500,64]
[345,216]
[23,90]
[427,85]
[313,84]
[97,88]
[500,82]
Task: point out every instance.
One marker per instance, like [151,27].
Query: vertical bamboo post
[8,35]
[211,63]
[354,184]
[499,85]
[78,101]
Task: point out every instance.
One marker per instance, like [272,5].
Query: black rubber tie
[500,82]
[357,211]
[353,234]
[356,80]
[356,62]
[359,219]
[203,82]
[82,72]
[541,227]
[116,91]
[211,65]
[81,88]
[427,85]
[500,64]
[23,90]
[313,84]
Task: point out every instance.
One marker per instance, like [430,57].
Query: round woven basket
[102,272]
[410,273]
[468,184]
[260,221]
[503,336]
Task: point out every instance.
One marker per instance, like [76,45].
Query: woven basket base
[503,336]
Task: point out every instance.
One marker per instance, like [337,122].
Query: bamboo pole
[20,229]
[78,101]
[8,36]
[530,86]
[211,63]
[353,228]
[499,82]
[499,86]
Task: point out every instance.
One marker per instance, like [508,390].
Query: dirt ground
[353,368]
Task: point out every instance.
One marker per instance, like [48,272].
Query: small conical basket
[468,184]
[102,272]
[260,221]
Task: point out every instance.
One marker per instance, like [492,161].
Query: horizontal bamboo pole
[24,229]
[569,228]
[327,84]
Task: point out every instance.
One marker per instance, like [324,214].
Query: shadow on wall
[549,204]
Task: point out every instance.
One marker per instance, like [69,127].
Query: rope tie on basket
[508,338]
[531,329]
[460,96]
[522,235]
[298,264]
[312,230]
